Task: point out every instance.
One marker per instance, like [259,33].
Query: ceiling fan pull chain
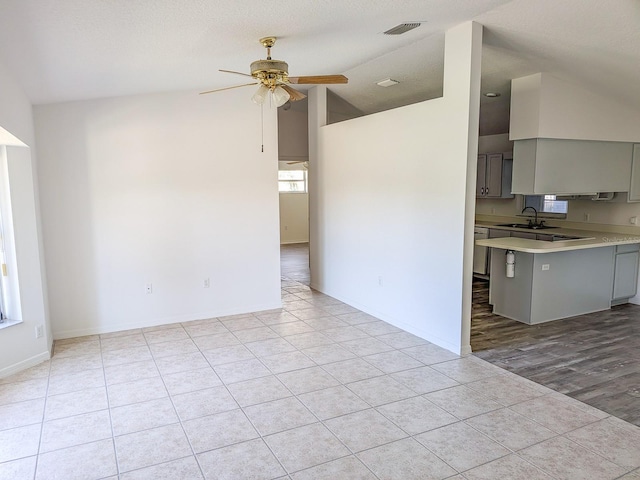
[262,126]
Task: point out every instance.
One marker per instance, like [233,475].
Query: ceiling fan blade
[319,79]
[227,88]
[237,73]
[294,95]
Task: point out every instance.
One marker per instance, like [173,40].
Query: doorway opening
[293,181]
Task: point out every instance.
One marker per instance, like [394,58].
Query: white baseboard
[457,349]
[118,327]
[23,365]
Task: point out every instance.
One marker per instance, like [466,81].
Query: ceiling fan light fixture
[280,96]
[260,96]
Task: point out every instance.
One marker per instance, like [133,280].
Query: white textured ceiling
[64,50]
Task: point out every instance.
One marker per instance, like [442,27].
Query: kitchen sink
[563,238]
[525,225]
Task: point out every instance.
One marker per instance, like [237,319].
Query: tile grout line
[44,411]
[260,436]
[170,397]
[106,390]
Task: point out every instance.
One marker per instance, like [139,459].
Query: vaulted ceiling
[66,50]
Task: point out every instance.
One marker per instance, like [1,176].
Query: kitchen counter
[560,279]
[593,239]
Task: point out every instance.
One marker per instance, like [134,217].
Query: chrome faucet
[535,212]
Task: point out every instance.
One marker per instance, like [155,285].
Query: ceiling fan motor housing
[269,72]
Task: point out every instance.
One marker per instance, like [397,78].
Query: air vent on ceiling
[402,28]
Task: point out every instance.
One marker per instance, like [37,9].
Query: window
[547,204]
[10,308]
[292,181]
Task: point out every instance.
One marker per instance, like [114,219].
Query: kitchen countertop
[593,239]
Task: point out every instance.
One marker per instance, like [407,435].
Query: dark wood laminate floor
[594,358]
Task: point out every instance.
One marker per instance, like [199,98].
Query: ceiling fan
[273,77]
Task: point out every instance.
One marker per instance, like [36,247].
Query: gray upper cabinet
[494,176]
[552,166]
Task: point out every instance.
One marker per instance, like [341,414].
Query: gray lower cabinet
[625,276]
[550,286]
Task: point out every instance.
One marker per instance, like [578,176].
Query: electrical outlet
[545,266]
[39,331]
[149,288]
[633,220]
[206,283]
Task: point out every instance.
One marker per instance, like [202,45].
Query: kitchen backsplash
[615,213]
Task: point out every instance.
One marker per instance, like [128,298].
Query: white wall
[339,110]
[495,143]
[394,204]
[168,189]
[293,137]
[544,106]
[294,218]
[19,347]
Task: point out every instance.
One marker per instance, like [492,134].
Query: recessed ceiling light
[492,94]
[387,82]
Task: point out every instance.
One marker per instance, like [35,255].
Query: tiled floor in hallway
[317,390]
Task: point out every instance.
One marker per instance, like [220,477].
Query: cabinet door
[481,175]
[625,277]
[493,183]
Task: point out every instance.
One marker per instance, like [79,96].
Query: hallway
[294,262]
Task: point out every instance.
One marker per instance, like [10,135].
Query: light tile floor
[317,390]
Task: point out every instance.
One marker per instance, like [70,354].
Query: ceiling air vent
[402,28]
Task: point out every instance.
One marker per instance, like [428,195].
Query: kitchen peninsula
[556,277]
